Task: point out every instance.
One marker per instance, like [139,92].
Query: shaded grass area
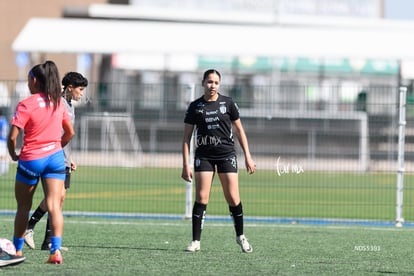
[161,191]
[145,247]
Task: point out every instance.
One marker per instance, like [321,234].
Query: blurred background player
[41,117]
[4,130]
[215,117]
[74,85]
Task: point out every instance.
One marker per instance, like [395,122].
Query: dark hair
[210,71]
[48,81]
[75,79]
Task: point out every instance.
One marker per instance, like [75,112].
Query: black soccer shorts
[228,165]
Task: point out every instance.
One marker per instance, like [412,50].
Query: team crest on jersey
[223,109]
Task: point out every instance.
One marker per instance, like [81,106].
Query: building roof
[104,36]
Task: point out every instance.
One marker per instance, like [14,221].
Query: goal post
[189,184]
[401,143]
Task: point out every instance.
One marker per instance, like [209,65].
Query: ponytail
[48,82]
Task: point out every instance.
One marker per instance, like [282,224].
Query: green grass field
[121,246]
[161,191]
[147,247]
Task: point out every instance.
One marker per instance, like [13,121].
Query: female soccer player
[74,85]
[4,130]
[216,118]
[41,116]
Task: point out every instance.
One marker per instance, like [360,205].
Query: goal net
[108,139]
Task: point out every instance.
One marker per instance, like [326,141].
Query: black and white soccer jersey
[213,124]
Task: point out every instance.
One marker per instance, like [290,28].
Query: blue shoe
[7,259]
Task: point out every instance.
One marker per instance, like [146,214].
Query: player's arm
[11,142]
[188,132]
[241,136]
[68,132]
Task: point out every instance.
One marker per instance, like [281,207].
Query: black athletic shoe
[7,259]
[46,245]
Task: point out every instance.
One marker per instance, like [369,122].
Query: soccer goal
[111,134]
[312,136]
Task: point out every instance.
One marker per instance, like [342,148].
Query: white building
[282,54]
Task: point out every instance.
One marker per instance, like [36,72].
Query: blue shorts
[52,166]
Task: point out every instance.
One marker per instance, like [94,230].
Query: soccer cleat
[28,238]
[244,244]
[7,259]
[193,247]
[55,258]
[46,245]
[19,253]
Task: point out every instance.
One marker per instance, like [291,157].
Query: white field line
[214,224]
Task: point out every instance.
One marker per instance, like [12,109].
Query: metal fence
[321,126]
[311,129]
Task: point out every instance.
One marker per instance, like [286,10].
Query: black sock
[36,216]
[199,213]
[48,232]
[236,213]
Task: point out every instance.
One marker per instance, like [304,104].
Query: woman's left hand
[250,165]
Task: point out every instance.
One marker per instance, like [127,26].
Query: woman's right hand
[15,157]
[186,173]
